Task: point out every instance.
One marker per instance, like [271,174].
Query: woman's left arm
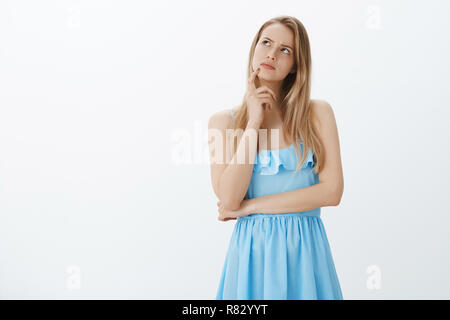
[329,190]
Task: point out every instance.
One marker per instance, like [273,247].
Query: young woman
[279,248]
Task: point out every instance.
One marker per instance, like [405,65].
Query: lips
[267,66]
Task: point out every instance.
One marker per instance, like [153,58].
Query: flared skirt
[279,256]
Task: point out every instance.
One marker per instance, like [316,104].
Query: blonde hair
[295,93]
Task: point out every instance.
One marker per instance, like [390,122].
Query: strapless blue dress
[279,256]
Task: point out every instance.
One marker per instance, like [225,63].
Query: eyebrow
[281,44]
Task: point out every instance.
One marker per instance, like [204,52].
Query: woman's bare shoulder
[320,109]
[318,105]
[222,118]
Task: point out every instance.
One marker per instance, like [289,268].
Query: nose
[271,54]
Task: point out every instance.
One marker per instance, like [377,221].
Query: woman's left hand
[225,214]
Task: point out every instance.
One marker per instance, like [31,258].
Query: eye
[283,48]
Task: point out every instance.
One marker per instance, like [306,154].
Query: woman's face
[275,47]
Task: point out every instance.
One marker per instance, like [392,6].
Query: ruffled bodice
[268,162]
[274,172]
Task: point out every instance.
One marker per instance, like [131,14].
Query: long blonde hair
[295,94]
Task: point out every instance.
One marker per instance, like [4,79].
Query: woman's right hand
[258,99]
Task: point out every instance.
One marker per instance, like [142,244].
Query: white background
[105,188]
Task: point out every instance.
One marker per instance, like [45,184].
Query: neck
[275,86]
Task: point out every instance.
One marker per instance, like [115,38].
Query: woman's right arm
[231,177]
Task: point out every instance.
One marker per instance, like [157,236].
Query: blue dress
[279,256]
